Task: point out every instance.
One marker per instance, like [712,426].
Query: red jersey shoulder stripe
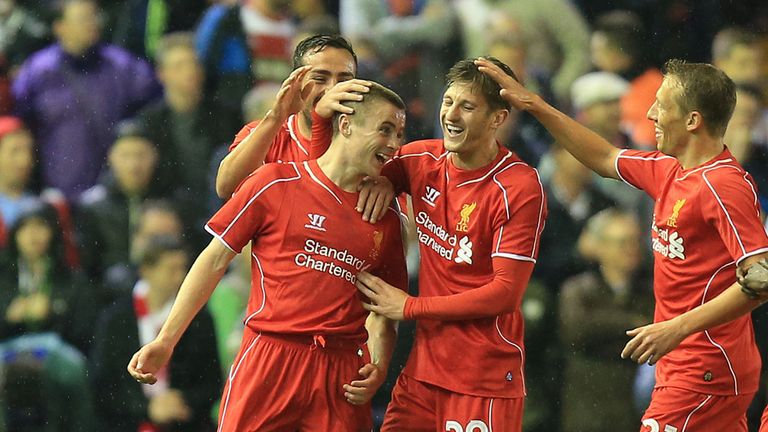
[318,181]
[292,127]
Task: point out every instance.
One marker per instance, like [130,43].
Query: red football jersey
[706,220]
[288,146]
[464,219]
[309,243]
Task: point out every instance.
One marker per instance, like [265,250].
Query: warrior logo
[315,222]
[466,212]
[430,196]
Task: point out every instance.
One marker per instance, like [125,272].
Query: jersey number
[654,425]
[472,426]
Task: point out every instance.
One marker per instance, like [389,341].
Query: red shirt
[288,146]
[309,243]
[465,220]
[706,220]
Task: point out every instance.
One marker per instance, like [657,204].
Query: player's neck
[339,169]
[305,125]
[476,158]
[699,151]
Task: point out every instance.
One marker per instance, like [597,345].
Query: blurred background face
[133,161]
[602,117]
[167,274]
[570,168]
[154,223]
[181,71]
[743,64]
[17,158]
[79,27]
[605,57]
[738,136]
[34,238]
[618,244]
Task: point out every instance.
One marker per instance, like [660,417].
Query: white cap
[597,87]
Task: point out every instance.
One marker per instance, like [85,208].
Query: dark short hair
[706,89]
[624,32]
[158,246]
[317,43]
[465,71]
[376,93]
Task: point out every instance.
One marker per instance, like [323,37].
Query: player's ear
[694,121]
[345,124]
[498,118]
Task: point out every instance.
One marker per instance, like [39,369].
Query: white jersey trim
[263,290]
[219,238]
[712,165]
[490,171]
[727,215]
[687,419]
[706,332]
[621,155]
[753,253]
[513,256]
[317,180]
[490,416]
[522,353]
[256,195]
[293,134]
[232,374]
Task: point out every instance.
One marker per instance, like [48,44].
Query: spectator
[242,43]
[38,292]
[182,398]
[596,101]
[409,44]
[614,296]
[737,52]
[16,163]
[618,46]
[185,126]
[21,34]
[258,101]
[72,93]
[554,30]
[141,24]
[109,212]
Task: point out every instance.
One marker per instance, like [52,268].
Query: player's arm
[587,146]
[381,344]
[651,342]
[205,274]
[249,155]
[503,294]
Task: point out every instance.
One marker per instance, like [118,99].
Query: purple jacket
[72,106]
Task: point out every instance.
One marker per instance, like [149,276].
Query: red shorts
[421,407]
[281,383]
[678,410]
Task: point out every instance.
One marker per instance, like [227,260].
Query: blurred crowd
[114,116]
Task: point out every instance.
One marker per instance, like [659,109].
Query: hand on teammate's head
[333,100]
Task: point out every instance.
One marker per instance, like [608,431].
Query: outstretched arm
[651,342]
[196,289]
[249,155]
[587,146]
[500,296]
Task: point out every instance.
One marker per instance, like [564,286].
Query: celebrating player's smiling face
[466,118]
[329,67]
[376,133]
[668,118]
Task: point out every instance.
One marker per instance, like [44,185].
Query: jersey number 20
[472,426]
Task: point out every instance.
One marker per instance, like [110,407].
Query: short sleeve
[523,214]
[245,214]
[395,170]
[729,203]
[243,134]
[644,170]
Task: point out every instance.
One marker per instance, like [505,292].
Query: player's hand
[169,407]
[289,98]
[375,195]
[333,99]
[652,342]
[148,360]
[359,392]
[386,300]
[511,90]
